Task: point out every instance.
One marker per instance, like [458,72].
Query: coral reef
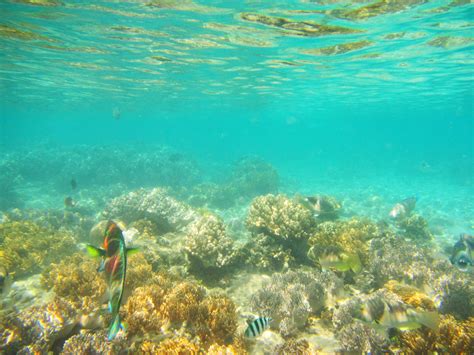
[36,329]
[355,336]
[217,320]
[415,228]
[249,178]
[209,250]
[164,305]
[177,345]
[279,216]
[142,309]
[87,342]
[393,258]
[338,237]
[284,219]
[252,177]
[28,247]
[453,337]
[264,253]
[411,295]
[181,304]
[293,347]
[453,290]
[76,280]
[160,165]
[290,298]
[156,205]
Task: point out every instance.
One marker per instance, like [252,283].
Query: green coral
[27,247]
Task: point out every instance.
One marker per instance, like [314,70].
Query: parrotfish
[257,326]
[341,262]
[403,208]
[463,253]
[382,316]
[114,264]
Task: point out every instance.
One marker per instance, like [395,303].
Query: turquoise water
[367,103]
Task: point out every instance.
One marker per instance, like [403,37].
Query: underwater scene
[237,177]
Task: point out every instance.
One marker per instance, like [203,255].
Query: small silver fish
[257,327]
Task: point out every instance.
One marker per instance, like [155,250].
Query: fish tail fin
[429,319]
[131,251]
[94,251]
[354,263]
[114,327]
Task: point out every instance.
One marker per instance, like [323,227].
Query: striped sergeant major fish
[257,326]
[114,264]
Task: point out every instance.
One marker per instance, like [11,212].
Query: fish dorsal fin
[250,320]
[94,251]
[131,251]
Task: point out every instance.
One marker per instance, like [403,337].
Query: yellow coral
[217,320]
[411,295]
[139,272]
[77,280]
[182,303]
[142,309]
[453,337]
[179,345]
[350,236]
[30,247]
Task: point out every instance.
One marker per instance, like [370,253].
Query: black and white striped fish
[257,326]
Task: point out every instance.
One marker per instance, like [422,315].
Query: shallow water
[217,103]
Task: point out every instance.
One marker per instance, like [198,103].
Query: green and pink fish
[114,263]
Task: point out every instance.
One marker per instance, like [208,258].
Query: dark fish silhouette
[73,184]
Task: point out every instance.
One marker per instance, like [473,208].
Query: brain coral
[30,247]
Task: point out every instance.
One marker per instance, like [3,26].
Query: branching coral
[411,295]
[37,328]
[155,205]
[290,298]
[182,303]
[142,309]
[355,336]
[453,337]
[393,258]
[415,228]
[293,347]
[281,217]
[30,247]
[177,345]
[217,321]
[76,279]
[209,249]
[92,343]
[454,291]
[264,253]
